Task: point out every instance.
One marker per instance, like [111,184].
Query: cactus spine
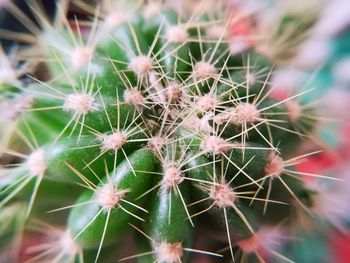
[151,124]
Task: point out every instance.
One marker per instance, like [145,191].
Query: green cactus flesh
[159,131]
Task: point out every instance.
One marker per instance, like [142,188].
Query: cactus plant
[149,124]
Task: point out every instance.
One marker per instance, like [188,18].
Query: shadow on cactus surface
[140,132]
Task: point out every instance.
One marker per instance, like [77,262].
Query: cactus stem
[167,252]
[141,90]
[173,176]
[273,170]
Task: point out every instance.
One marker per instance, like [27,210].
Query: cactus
[149,124]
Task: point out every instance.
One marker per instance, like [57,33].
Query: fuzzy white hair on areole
[172,175]
[215,144]
[113,141]
[81,57]
[156,143]
[199,124]
[294,110]
[108,196]
[134,97]
[12,109]
[203,69]
[250,78]
[75,57]
[59,245]
[177,34]
[79,103]
[274,166]
[168,253]
[36,162]
[207,102]
[141,65]
[151,9]
[68,244]
[245,113]
[174,91]
[223,195]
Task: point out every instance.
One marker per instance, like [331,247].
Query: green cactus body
[123,184]
[151,118]
[169,227]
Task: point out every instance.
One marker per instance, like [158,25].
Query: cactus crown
[151,123]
